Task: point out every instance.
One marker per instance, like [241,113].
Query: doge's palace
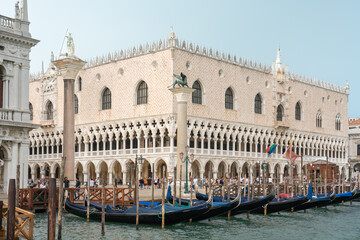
[15,46]
[238,109]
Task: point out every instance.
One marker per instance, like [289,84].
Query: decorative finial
[52,56]
[278,59]
[42,67]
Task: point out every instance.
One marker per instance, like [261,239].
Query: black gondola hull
[281,206]
[147,218]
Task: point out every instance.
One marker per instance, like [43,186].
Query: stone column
[182,96]
[69,68]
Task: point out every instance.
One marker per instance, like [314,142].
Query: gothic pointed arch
[298,111]
[31,111]
[49,111]
[197,94]
[338,122]
[76,104]
[258,104]
[280,113]
[229,98]
[318,119]
[106,99]
[142,93]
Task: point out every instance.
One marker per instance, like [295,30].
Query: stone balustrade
[6,22]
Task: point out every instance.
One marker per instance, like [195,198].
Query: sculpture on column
[181,81]
[70,45]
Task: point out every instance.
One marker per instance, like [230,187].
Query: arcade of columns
[106,148]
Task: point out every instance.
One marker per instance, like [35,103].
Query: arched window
[229,99]
[79,84]
[142,93]
[106,99]
[318,119]
[258,103]
[279,113]
[49,111]
[338,122]
[197,95]
[31,111]
[76,101]
[298,111]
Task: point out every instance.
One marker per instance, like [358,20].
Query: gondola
[219,208]
[315,201]
[342,197]
[245,205]
[284,204]
[184,202]
[356,195]
[147,215]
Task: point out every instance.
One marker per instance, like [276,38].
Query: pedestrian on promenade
[149,182]
[141,181]
[116,182]
[66,182]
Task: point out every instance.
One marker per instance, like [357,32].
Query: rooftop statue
[181,81]
[70,45]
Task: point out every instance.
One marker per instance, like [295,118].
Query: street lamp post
[186,160]
[130,166]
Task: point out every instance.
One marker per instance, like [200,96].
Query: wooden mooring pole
[179,188]
[52,209]
[191,195]
[103,208]
[88,196]
[137,192]
[209,193]
[2,232]
[228,191]
[152,185]
[174,186]
[61,196]
[11,211]
[17,197]
[163,199]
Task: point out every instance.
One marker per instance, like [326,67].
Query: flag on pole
[289,154]
[272,149]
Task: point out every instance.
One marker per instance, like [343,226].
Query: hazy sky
[318,39]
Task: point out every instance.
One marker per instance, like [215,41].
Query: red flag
[289,154]
[268,149]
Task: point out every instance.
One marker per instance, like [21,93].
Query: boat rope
[162,215]
[91,212]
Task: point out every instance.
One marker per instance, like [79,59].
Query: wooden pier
[34,199]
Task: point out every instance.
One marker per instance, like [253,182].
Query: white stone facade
[15,124]
[219,136]
[354,144]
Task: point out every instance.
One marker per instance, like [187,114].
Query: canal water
[341,222]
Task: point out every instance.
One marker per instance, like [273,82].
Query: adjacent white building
[15,46]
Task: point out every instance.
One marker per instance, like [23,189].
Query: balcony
[281,125]
[47,123]
[12,116]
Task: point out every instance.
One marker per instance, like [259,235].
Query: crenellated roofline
[174,42]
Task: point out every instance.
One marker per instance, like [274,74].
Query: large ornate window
[229,99]
[106,99]
[279,113]
[49,111]
[197,95]
[318,119]
[298,111]
[257,104]
[31,111]
[76,101]
[338,122]
[142,93]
